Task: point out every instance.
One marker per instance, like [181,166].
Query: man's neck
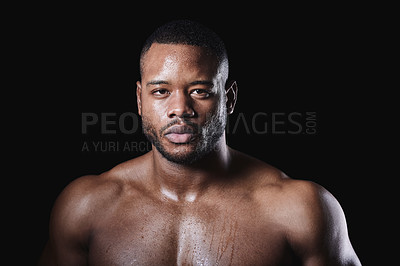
[185,183]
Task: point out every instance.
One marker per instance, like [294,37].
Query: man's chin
[180,153]
[181,158]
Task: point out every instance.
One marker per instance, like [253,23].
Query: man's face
[181,99]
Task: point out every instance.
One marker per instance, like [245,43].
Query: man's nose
[180,105]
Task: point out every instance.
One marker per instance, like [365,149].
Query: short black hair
[186,32]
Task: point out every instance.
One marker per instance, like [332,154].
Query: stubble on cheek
[148,129]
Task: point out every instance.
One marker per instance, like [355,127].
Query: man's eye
[201,92]
[160,92]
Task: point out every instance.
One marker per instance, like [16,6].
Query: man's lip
[179,129]
[180,134]
[180,138]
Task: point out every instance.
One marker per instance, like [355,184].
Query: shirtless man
[192,200]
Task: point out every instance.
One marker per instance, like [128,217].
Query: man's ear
[139,97]
[231,90]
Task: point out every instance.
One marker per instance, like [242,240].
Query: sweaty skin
[213,207]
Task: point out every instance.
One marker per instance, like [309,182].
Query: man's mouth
[180,134]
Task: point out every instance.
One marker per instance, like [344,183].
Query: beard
[207,136]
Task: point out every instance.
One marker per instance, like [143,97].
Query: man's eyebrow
[202,82]
[157,82]
[196,82]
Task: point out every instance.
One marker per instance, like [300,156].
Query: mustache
[192,127]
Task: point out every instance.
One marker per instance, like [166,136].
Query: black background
[291,59]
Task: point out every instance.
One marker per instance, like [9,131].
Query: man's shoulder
[267,180]
[308,215]
[288,195]
[303,209]
[277,189]
[95,192]
[272,189]
[82,196]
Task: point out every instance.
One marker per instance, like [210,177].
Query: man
[192,200]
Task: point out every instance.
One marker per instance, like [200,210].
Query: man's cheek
[151,113]
[159,108]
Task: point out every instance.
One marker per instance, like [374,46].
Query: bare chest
[154,236]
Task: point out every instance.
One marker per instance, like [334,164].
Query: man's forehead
[183,52]
[178,57]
